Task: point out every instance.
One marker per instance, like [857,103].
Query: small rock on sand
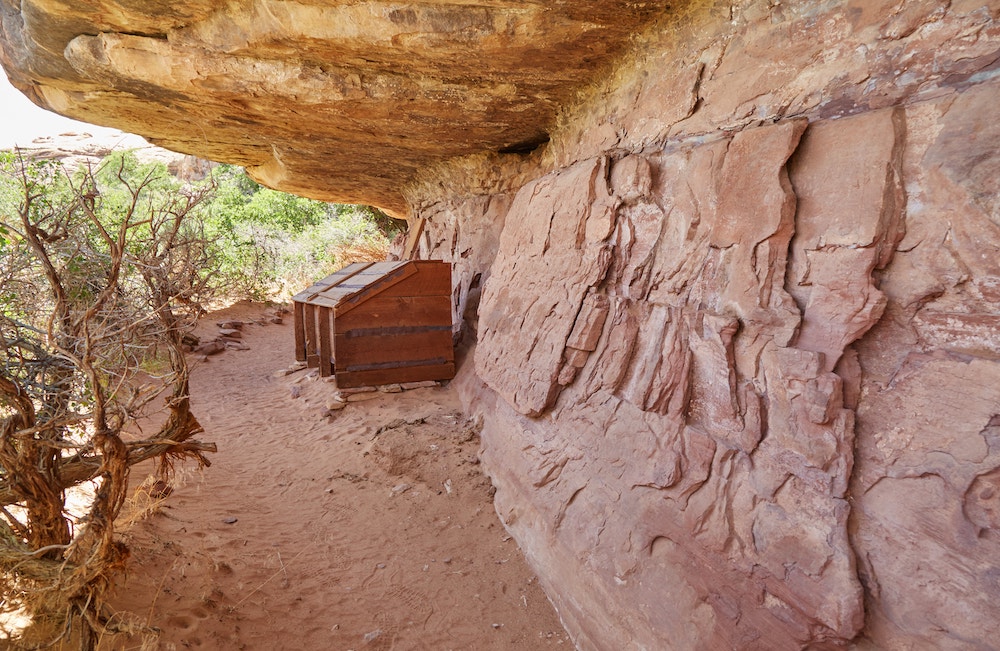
[359,397]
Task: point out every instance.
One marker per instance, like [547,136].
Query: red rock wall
[738,353]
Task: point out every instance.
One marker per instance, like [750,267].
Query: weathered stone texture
[694,476]
[786,433]
[666,413]
[782,430]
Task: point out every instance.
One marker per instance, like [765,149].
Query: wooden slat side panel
[392,375]
[351,351]
[431,279]
[312,344]
[325,354]
[298,310]
[389,310]
[397,275]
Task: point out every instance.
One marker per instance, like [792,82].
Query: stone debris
[210,348]
[423,384]
[399,489]
[311,375]
[361,397]
[353,390]
[334,404]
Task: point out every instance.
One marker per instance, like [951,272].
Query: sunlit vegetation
[103,272]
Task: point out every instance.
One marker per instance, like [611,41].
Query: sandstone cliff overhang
[343,101]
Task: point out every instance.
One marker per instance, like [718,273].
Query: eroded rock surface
[736,443]
[752,449]
[691,363]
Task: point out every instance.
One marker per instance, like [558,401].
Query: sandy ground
[367,528]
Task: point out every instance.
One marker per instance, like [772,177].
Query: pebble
[335,405]
[230,325]
[308,376]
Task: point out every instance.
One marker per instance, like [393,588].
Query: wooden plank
[393,310]
[375,275]
[325,354]
[397,275]
[385,266]
[392,348]
[413,232]
[444,371]
[318,286]
[324,301]
[298,312]
[312,352]
[433,278]
[334,279]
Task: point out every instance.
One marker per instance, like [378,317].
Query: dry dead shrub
[365,251]
[98,273]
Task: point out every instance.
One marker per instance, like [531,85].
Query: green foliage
[271,244]
[240,200]
[261,243]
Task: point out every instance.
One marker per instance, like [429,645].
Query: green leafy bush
[271,244]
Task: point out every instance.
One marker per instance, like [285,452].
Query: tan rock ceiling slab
[342,101]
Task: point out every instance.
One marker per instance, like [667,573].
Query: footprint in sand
[188,622]
[412,599]
[183,623]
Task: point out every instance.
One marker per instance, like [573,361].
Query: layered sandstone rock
[736,354]
[737,372]
[343,101]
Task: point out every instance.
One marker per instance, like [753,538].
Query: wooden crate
[378,323]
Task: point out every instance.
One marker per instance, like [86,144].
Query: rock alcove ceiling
[341,101]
